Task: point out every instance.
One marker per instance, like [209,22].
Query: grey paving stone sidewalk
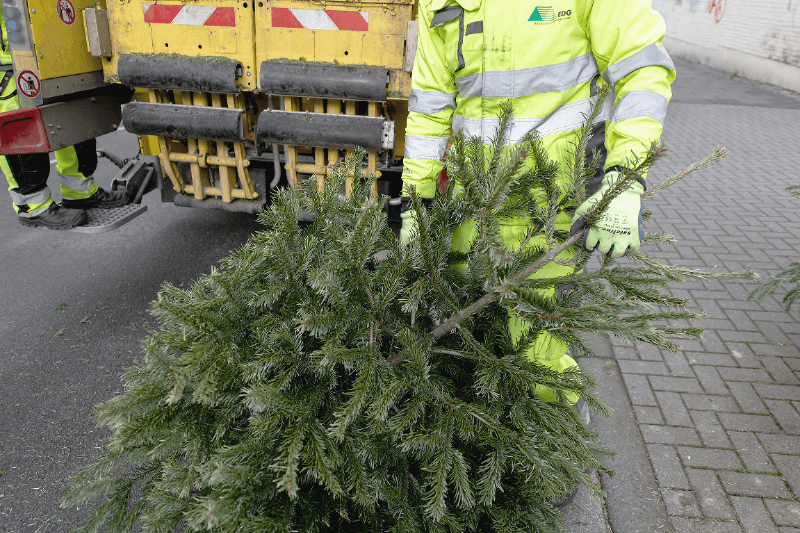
[720,419]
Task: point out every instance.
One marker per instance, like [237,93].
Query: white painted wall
[759,39]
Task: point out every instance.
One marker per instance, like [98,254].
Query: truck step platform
[103,220]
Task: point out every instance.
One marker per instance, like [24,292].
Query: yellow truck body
[232,96]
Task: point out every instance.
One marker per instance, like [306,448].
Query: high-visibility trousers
[27,173]
[546,349]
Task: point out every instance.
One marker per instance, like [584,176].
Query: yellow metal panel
[130,34]
[345,47]
[24,60]
[388,19]
[285,43]
[399,83]
[383,44]
[384,50]
[149,145]
[224,41]
[61,47]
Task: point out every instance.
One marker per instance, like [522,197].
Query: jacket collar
[468,5]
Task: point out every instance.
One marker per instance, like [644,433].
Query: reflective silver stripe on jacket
[525,82]
[567,117]
[638,104]
[649,56]
[430,102]
[428,148]
[75,183]
[38,197]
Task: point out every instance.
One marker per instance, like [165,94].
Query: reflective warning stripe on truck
[189,15]
[320,19]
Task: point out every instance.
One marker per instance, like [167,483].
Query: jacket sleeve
[430,110]
[626,38]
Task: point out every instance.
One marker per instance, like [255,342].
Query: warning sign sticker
[28,83]
[66,11]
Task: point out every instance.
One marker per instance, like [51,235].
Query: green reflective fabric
[543,59]
[10,104]
[5,53]
[66,158]
[546,350]
[74,184]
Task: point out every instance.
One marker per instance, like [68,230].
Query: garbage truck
[229,98]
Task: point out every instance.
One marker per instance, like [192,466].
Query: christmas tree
[327,378]
[789,276]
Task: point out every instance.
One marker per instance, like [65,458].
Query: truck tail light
[22,132]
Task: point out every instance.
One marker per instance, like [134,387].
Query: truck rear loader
[229,98]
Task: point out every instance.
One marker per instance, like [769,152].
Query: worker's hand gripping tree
[318,383]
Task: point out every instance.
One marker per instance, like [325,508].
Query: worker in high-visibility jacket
[474,55]
[27,173]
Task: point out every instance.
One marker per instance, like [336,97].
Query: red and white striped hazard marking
[320,19]
[189,15]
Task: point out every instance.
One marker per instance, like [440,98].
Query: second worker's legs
[76,166]
[27,183]
[546,349]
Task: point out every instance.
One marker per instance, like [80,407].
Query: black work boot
[101,198]
[55,216]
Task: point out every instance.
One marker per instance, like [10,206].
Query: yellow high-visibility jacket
[5,51]
[546,56]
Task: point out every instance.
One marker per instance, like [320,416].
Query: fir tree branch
[448,352]
[501,187]
[621,185]
[717,155]
[679,272]
[486,299]
[455,320]
[790,275]
[425,239]
[578,160]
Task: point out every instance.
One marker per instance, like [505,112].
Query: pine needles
[789,276]
[307,385]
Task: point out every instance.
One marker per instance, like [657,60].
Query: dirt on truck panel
[231,98]
[296,82]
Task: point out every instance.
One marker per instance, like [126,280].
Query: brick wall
[759,39]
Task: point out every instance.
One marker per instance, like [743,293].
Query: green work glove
[409,225]
[619,230]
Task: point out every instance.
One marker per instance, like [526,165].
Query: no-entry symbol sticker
[66,11]
[28,83]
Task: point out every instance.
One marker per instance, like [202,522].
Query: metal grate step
[103,220]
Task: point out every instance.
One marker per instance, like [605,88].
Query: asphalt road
[75,308]
[74,311]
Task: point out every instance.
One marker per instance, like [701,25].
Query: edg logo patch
[548,15]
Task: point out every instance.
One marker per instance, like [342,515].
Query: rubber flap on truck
[345,82]
[298,128]
[184,121]
[216,75]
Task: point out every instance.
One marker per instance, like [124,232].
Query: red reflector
[22,132]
